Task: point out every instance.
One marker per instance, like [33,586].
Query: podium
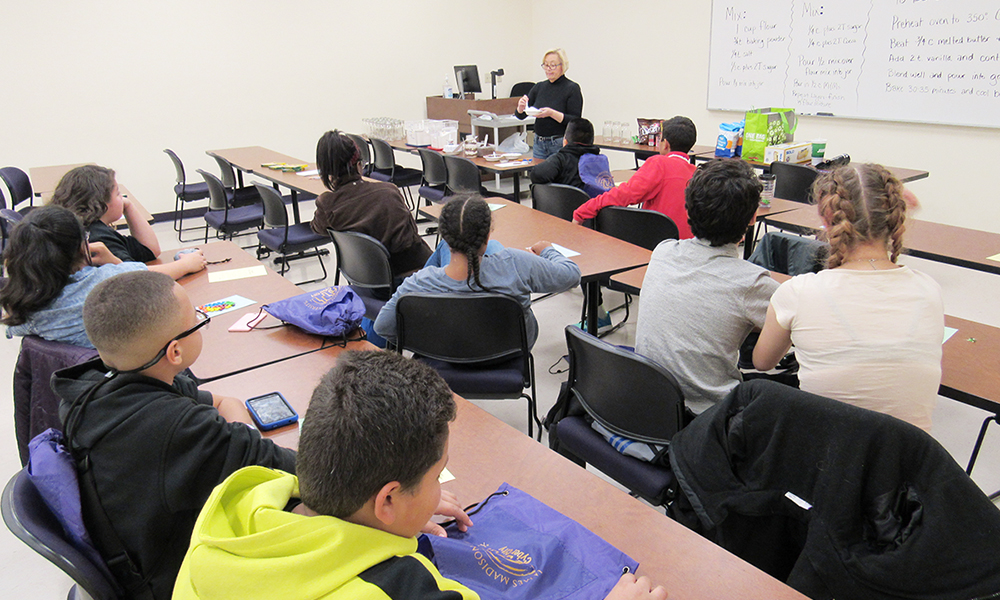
[457,109]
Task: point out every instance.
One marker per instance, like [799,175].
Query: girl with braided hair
[375,208]
[866,330]
[465,225]
[50,270]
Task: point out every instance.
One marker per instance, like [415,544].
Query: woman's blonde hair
[860,203]
[562,57]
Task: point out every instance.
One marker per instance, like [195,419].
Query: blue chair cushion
[191,191]
[502,380]
[373,299]
[300,237]
[238,219]
[431,193]
[380,176]
[646,479]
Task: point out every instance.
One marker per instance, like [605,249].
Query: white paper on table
[496,206]
[231,274]
[994,257]
[309,173]
[565,251]
[445,476]
[948,332]
[221,307]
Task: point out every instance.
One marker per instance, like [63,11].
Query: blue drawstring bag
[520,548]
[334,311]
[595,171]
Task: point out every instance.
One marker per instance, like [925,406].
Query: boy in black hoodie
[155,446]
[563,166]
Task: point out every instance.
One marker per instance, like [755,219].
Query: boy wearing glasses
[155,445]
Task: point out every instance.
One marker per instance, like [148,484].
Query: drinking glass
[609,132]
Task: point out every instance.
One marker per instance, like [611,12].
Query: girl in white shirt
[866,331]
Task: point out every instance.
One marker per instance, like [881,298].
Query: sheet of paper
[445,476]
[995,257]
[496,206]
[231,274]
[948,332]
[565,251]
[221,307]
[309,173]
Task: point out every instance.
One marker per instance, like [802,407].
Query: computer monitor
[467,79]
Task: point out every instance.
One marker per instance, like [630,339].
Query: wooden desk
[600,142]
[45,179]
[969,248]
[223,351]
[902,173]
[249,160]
[484,452]
[517,226]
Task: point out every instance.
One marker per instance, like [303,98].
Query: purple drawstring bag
[595,171]
[334,311]
[519,548]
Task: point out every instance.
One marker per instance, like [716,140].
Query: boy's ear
[175,353]
[386,507]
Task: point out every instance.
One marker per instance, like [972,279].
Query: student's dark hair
[680,132]
[41,254]
[465,224]
[337,157]
[720,200]
[374,418]
[86,191]
[128,307]
[580,131]
[861,203]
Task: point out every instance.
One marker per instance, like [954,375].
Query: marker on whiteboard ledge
[824,114]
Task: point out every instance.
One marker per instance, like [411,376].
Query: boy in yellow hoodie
[373,444]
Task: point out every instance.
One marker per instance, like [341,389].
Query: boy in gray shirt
[700,299]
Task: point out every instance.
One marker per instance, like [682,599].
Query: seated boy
[660,181]
[563,166]
[156,445]
[371,449]
[700,299]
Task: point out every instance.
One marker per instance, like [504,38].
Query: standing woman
[558,99]
[867,331]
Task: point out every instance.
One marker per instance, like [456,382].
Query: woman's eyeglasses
[551,67]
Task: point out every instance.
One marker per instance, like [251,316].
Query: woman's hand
[448,507]
[522,104]
[550,113]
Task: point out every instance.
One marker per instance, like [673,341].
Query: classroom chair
[225,219]
[557,199]
[642,401]
[384,168]
[364,151]
[31,521]
[463,177]
[238,195]
[645,228]
[793,182]
[521,88]
[834,500]
[434,176]
[36,406]
[184,192]
[364,262]
[477,342]
[19,189]
[291,242]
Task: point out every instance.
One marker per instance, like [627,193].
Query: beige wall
[117,81]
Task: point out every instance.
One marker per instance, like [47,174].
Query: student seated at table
[375,208]
[866,330]
[50,270]
[92,193]
[372,447]
[660,181]
[700,299]
[157,446]
[465,225]
[564,166]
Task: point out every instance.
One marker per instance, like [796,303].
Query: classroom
[116,82]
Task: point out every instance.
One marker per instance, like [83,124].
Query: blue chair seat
[238,219]
[373,300]
[191,191]
[401,176]
[300,237]
[377,175]
[504,379]
[647,480]
[431,193]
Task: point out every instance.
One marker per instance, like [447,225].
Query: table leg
[517,188]
[593,293]
[295,207]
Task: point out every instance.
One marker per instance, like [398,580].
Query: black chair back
[383,159]
[366,155]
[275,215]
[793,182]
[557,199]
[433,165]
[642,401]
[521,88]
[463,175]
[217,198]
[645,228]
[462,328]
[362,259]
[30,520]
[178,166]
[18,185]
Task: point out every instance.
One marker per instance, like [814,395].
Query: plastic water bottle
[446,90]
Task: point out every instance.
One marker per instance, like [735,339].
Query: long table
[969,248]
[44,181]
[485,452]
[903,174]
[250,159]
[638,149]
[518,226]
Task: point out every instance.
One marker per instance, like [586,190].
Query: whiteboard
[931,61]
